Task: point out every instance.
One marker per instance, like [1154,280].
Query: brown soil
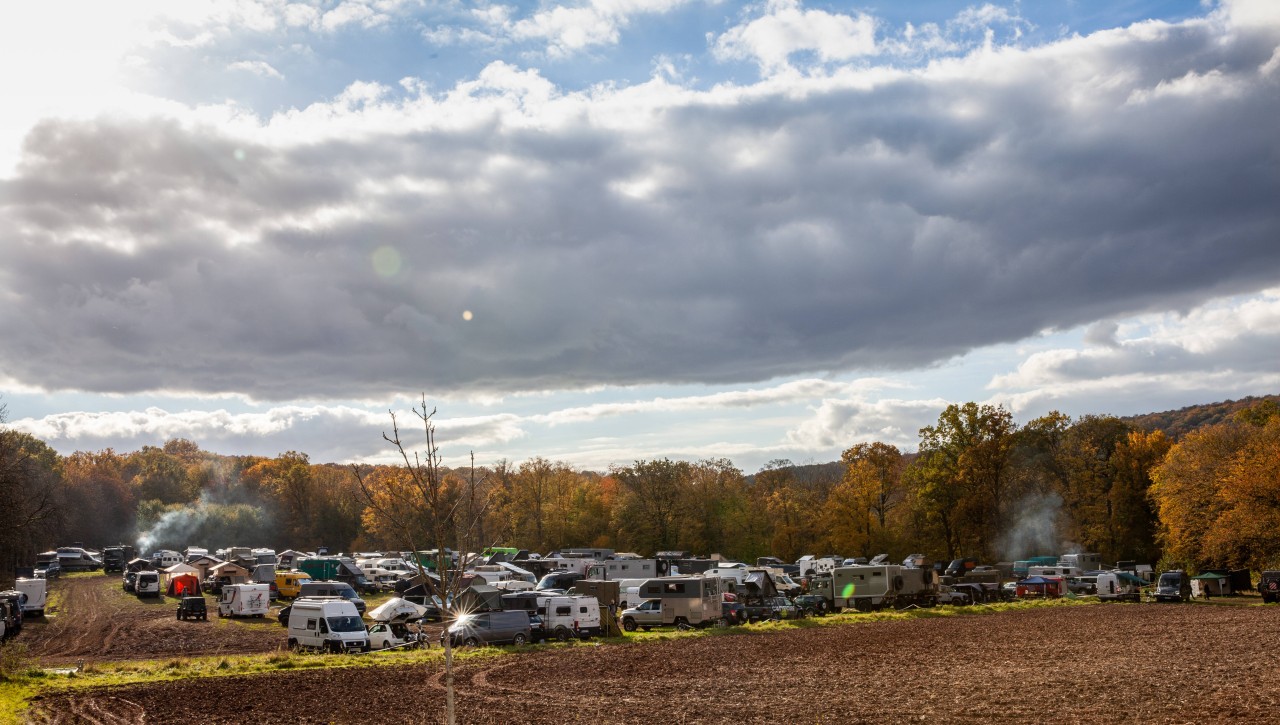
[96,620]
[1105,663]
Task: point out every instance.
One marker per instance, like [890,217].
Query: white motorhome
[866,587]
[37,592]
[811,565]
[194,552]
[564,616]
[331,624]
[244,600]
[612,569]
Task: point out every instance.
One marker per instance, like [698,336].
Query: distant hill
[1177,423]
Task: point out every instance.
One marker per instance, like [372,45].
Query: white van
[163,559]
[567,617]
[244,600]
[331,624]
[37,594]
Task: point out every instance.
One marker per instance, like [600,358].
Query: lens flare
[386,261]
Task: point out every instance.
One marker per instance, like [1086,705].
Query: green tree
[649,508]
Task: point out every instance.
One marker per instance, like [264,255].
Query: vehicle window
[311,624]
[582,610]
[563,611]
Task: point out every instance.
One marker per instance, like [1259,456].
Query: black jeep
[193,608]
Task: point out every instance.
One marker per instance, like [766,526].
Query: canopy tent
[189,574]
[1040,586]
[1210,584]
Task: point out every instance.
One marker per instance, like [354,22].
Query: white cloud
[256,67]
[786,29]
[845,220]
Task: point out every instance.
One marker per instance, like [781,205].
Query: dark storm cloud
[893,220]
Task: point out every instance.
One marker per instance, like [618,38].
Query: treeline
[979,485]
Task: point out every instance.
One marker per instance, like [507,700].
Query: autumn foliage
[979,485]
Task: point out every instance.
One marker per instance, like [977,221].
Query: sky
[616,230]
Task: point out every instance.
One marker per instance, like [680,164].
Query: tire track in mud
[97,621]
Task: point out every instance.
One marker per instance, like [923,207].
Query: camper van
[1173,586]
[37,594]
[331,624]
[244,600]
[1118,586]
[289,583]
[163,559]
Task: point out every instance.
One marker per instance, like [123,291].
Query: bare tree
[427,503]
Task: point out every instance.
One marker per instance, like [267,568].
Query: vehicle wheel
[179,616]
[519,639]
[385,644]
[722,623]
[629,624]
[681,623]
[562,634]
[293,645]
[471,642]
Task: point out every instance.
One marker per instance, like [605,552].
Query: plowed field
[1105,663]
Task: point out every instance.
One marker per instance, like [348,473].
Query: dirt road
[95,620]
[1106,663]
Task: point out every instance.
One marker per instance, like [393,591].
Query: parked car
[507,627]
[283,616]
[332,589]
[48,569]
[193,608]
[813,605]
[732,613]
[129,580]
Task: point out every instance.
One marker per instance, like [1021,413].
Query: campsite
[964,664]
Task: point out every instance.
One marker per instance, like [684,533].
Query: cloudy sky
[607,230]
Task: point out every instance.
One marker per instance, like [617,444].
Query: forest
[979,485]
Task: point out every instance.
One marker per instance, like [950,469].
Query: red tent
[184,585]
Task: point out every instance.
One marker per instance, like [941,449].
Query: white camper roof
[397,609]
